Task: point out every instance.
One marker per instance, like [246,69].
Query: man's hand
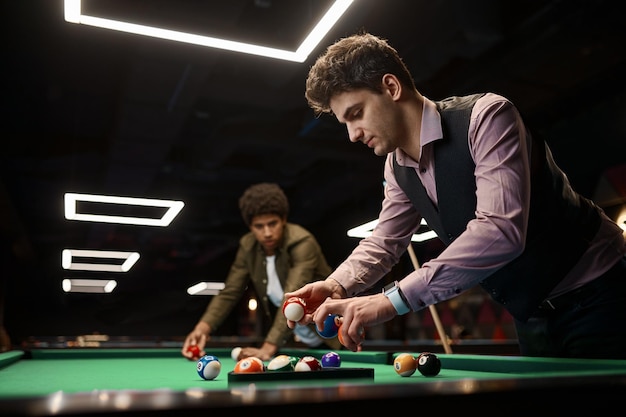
[198,337]
[314,294]
[356,314]
[265,352]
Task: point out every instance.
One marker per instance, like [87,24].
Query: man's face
[370,118]
[268,230]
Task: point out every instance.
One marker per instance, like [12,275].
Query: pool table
[158,382]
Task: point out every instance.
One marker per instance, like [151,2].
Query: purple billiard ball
[331,360]
[331,327]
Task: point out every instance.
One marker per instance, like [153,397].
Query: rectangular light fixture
[104,286]
[73,14]
[366,229]
[205,288]
[72,213]
[68,256]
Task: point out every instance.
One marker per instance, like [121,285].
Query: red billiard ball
[249,365]
[195,352]
[428,364]
[308,363]
[293,308]
[404,364]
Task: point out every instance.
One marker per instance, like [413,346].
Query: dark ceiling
[89,110]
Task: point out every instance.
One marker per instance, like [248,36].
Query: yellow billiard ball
[404,364]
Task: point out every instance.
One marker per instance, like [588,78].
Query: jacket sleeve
[235,285]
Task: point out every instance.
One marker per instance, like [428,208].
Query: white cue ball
[235,353]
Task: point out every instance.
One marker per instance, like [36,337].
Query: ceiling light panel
[143,24]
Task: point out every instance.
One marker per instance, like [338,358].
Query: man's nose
[354,133]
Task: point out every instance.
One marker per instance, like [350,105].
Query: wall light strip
[71,212]
[73,14]
[205,288]
[89,285]
[68,254]
[366,229]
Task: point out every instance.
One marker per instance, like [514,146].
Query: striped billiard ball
[404,364]
[293,308]
[282,363]
[307,364]
[249,365]
[208,367]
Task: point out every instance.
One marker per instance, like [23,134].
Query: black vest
[561,223]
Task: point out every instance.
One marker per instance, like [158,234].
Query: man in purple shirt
[509,218]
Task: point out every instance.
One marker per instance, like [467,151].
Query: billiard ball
[283,363]
[331,325]
[404,364]
[208,367]
[340,336]
[195,352]
[331,360]
[428,364]
[235,353]
[251,364]
[293,308]
[307,364]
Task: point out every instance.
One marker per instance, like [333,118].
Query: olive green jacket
[299,260]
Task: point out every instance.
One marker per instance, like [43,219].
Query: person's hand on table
[198,337]
[265,352]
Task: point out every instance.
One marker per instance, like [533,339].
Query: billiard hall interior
[95,112]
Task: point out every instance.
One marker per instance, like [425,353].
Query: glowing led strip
[366,229]
[205,288]
[68,255]
[89,285]
[71,213]
[73,14]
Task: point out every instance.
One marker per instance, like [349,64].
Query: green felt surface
[46,371]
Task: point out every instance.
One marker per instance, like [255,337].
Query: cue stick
[433,310]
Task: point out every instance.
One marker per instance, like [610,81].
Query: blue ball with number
[331,327]
[209,367]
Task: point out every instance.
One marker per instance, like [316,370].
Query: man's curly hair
[263,198]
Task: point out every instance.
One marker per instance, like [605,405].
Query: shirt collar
[431,130]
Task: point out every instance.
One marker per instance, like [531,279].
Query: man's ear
[392,85]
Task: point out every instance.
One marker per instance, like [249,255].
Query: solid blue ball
[208,367]
[331,327]
[331,360]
